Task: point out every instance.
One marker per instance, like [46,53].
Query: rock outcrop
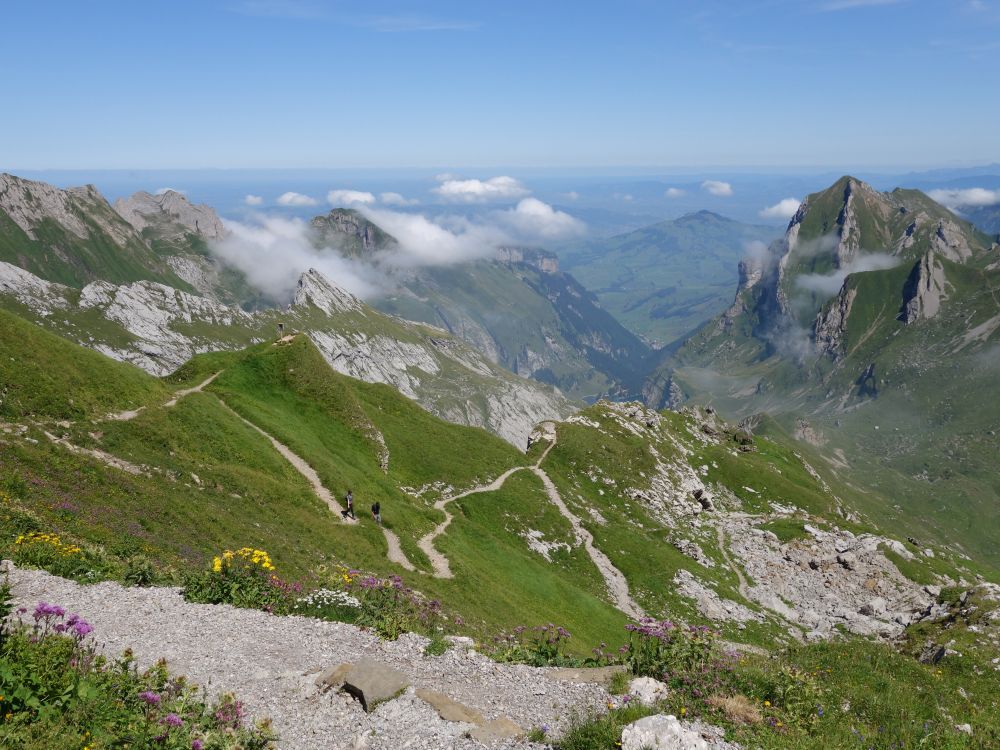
[925,289]
[171,213]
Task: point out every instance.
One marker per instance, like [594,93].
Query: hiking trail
[614,579]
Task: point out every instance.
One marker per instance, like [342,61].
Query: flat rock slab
[587,675]
[370,681]
[449,709]
[498,729]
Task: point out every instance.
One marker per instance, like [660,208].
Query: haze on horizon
[317,83]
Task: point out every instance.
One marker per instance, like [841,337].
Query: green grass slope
[45,376]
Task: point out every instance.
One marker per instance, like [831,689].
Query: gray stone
[372,682]
[647,691]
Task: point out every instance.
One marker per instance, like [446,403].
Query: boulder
[369,681]
[648,691]
[661,732]
[874,607]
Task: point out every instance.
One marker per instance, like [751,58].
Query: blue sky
[318,83]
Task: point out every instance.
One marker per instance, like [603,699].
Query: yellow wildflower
[217,565]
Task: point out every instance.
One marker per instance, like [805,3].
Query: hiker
[349,499]
[377,512]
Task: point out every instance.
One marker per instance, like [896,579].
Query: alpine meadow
[528,377]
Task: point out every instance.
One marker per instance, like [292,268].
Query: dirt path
[271,661]
[742,586]
[299,465]
[130,414]
[439,563]
[395,552]
[614,579]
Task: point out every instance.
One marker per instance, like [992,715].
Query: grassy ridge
[44,375]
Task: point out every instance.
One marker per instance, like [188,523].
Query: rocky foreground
[286,668]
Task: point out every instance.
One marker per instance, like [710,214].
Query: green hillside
[894,373]
[539,324]
[665,280]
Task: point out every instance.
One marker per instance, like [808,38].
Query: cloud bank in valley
[254,200]
[349,197]
[829,284]
[783,209]
[717,188]
[675,193]
[274,251]
[966,198]
[480,191]
[296,199]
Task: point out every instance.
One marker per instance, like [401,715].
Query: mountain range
[869,329]
[816,497]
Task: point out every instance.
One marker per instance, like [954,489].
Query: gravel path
[300,465]
[196,389]
[270,662]
[439,562]
[614,579]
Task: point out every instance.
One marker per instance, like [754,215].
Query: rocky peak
[924,290]
[170,210]
[350,231]
[28,203]
[316,290]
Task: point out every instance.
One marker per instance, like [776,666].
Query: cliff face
[351,233]
[925,290]
[72,236]
[171,214]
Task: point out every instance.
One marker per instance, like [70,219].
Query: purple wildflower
[148,696]
[81,628]
[45,610]
[197,745]
[173,720]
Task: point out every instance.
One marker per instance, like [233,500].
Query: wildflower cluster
[244,578]
[390,607]
[256,558]
[540,646]
[52,541]
[323,599]
[56,691]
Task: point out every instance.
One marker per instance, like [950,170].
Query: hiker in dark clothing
[349,499]
[377,513]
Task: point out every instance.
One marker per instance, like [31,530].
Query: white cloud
[474,191]
[274,251]
[296,199]
[715,187]
[163,190]
[423,242]
[967,197]
[254,200]
[348,197]
[830,283]
[784,209]
[572,195]
[533,220]
[675,192]
[395,199]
